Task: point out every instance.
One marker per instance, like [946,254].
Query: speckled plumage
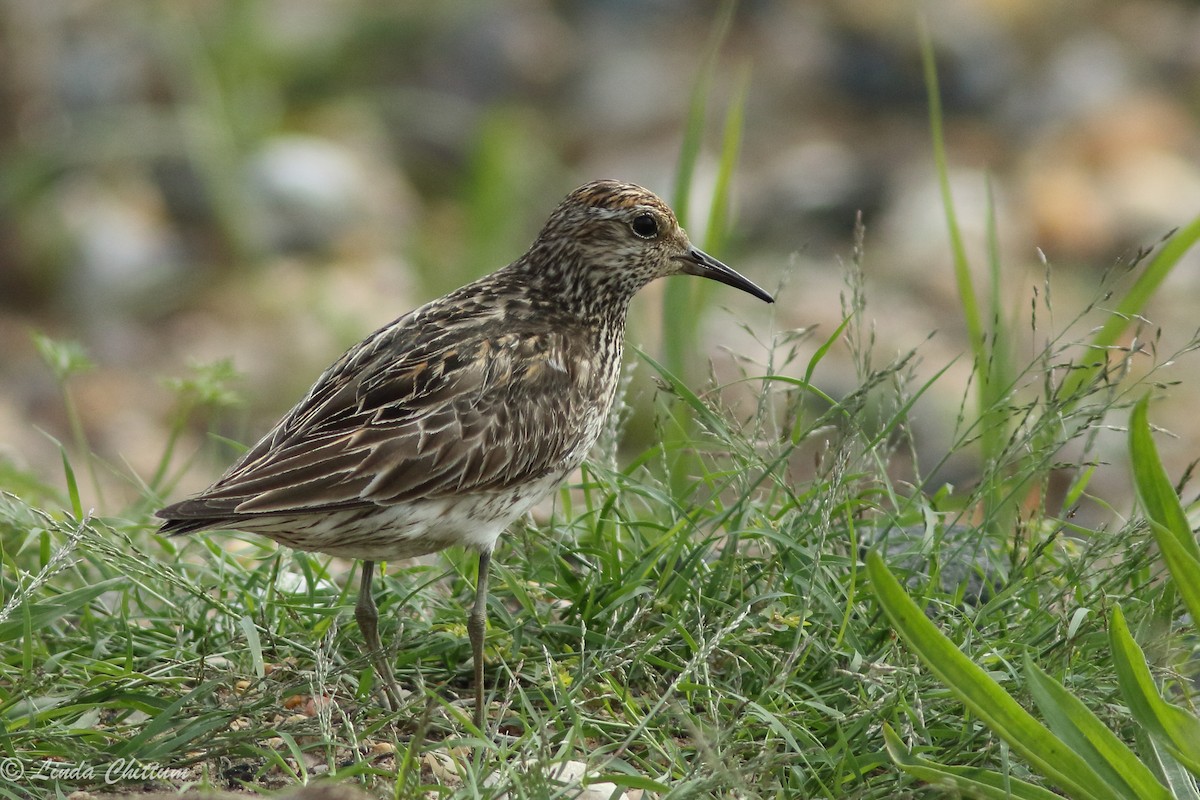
[446,425]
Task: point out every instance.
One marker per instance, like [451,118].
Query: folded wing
[398,420]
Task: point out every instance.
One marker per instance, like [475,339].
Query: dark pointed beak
[698,262]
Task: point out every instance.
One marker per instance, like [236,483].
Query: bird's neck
[570,289]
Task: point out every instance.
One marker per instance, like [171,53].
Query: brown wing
[398,419]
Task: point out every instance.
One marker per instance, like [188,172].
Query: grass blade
[1129,306]
[1168,521]
[971,781]
[1154,487]
[1181,782]
[43,612]
[1147,283]
[962,269]
[72,484]
[253,643]
[1171,725]
[679,312]
[731,142]
[167,719]
[980,693]
[689,151]
[709,418]
[1079,728]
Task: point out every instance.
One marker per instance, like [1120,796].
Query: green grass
[693,619]
[1074,750]
[712,640]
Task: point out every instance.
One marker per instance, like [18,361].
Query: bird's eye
[645,226]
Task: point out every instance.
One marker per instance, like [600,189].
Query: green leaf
[985,698]
[962,269]
[44,611]
[1154,487]
[1084,733]
[72,484]
[731,141]
[1174,774]
[825,347]
[704,413]
[1168,521]
[689,151]
[1131,304]
[252,641]
[1173,726]
[679,296]
[1143,289]
[1184,568]
[166,719]
[627,781]
[968,780]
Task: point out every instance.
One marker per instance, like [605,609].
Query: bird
[446,425]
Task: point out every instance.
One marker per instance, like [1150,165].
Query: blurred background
[267,182]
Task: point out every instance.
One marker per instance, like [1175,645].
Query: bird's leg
[477,628]
[367,616]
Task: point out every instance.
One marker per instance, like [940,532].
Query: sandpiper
[444,426]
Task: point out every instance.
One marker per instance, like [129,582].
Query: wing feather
[401,418]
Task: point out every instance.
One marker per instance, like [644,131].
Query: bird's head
[612,238]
